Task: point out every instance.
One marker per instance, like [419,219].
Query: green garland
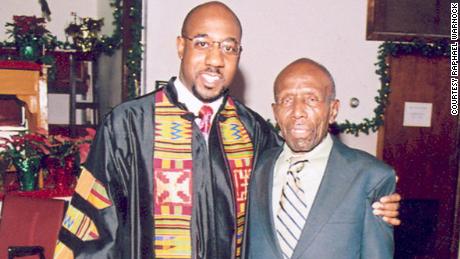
[437,49]
[108,44]
[134,56]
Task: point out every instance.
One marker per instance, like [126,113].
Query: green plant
[86,23]
[84,32]
[30,35]
[31,38]
[25,145]
[22,146]
[61,147]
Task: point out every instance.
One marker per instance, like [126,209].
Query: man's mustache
[214,70]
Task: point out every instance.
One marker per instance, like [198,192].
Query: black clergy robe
[121,160]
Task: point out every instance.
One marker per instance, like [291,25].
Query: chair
[29,226]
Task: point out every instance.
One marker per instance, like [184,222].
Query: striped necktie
[293,210]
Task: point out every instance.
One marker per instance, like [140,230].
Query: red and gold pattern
[173,175]
[239,150]
[92,190]
[78,223]
[62,252]
[172,180]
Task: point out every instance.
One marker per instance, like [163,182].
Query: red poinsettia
[61,147]
[22,146]
[85,145]
[30,31]
[40,144]
[27,26]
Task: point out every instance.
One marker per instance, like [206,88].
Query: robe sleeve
[93,217]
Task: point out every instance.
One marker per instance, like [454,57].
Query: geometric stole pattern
[173,169]
[239,150]
[78,223]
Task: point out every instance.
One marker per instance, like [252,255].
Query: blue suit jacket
[340,224]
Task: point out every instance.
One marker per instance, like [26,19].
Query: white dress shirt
[310,176]
[185,96]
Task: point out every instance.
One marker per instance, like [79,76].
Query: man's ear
[274,112]
[180,45]
[334,110]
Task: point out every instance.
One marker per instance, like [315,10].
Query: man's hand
[387,207]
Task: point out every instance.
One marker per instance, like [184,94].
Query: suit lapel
[264,198]
[334,185]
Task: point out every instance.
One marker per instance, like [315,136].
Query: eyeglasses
[204,43]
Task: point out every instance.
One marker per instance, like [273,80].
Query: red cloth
[19,65]
[45,193]
[205,115]
[30,222]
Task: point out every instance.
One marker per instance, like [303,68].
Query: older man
[167,175]
[312,197]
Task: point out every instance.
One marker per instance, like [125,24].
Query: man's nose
[214,56]
[299,108]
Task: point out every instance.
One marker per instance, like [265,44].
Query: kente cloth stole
[172,177]
[76,221]
[239,151]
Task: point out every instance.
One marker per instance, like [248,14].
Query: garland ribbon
[419,47]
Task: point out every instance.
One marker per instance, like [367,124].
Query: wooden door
[426,159]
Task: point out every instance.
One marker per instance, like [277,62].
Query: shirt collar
[193,104]
[322,150]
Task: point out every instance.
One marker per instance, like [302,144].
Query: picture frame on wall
[405,20]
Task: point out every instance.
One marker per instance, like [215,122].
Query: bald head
[305,104]
[207,68]
[205,10]
[305,66]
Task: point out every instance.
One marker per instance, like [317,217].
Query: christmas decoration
[30,36]
[436,49]
[84,32]
[101,45]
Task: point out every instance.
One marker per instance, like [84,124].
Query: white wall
[109,81]
[274,34]
[109,67]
